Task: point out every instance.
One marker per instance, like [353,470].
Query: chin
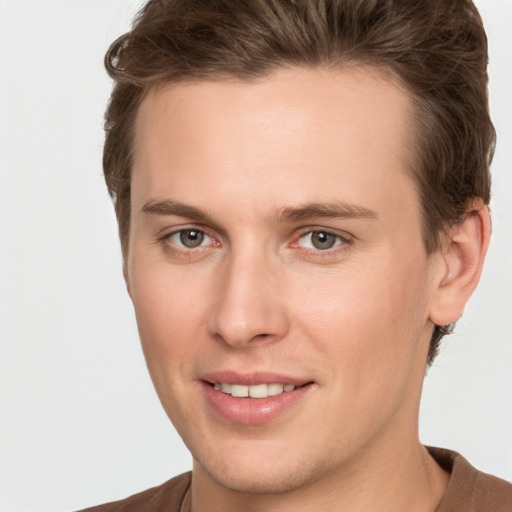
[253,475]
[259,482]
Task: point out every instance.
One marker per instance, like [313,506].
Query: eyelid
[175,237]
[165,235]
[342,235]
[309,236]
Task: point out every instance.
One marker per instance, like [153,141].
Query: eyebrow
[287,214]
[170,207]
[326,210]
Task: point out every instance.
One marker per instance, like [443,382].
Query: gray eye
[322,240]
[191,238]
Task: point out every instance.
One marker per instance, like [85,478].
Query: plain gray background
[80,423]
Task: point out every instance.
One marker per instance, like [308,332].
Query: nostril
[265,335]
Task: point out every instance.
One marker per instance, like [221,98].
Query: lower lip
[252,411]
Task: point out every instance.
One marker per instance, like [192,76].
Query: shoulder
[166,497]
[469,489]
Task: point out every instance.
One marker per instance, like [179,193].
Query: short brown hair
[436,48]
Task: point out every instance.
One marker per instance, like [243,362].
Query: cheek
[170,308]
[366,332]
[366,323]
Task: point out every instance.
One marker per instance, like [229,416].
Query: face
[276,252]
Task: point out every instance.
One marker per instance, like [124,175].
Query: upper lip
[253,378]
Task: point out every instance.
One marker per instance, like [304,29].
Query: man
[302,189]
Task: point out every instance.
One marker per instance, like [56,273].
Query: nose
[250,308]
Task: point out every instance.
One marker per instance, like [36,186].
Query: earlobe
[462,255]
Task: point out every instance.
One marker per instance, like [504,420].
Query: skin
[256,295]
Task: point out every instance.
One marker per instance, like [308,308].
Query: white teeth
[226,388]
[275,389]
[258,391]
[239,390]
[255,391]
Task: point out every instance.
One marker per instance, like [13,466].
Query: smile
[249,400]
[253,391]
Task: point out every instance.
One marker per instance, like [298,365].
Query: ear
[462,257]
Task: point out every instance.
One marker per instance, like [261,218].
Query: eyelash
[341,243]
[166,241]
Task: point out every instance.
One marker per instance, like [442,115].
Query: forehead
[299,135]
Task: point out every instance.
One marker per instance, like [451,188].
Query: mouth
[255,390]
[255,399]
